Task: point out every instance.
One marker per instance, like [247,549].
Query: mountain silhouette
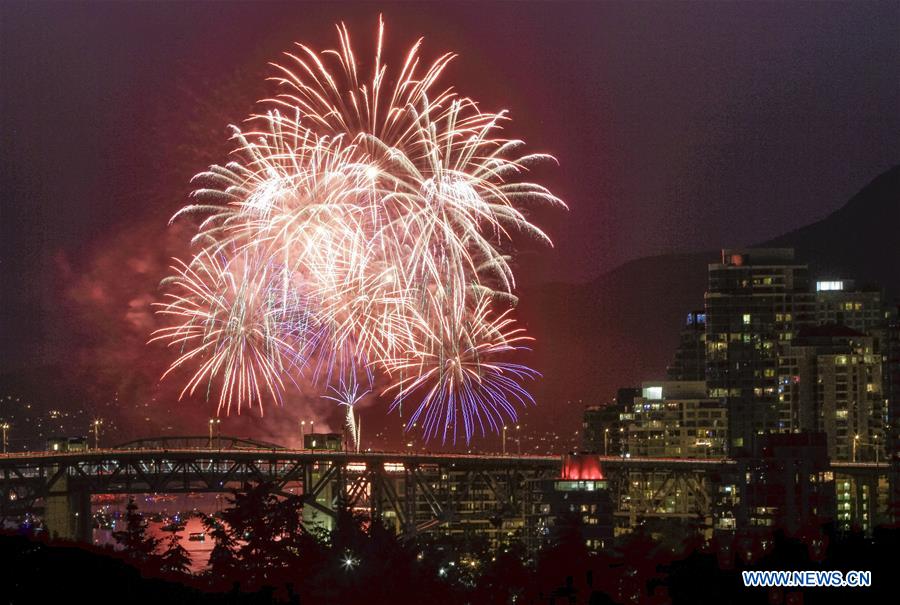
[857,241]
[622,328]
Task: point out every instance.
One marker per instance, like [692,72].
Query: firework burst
[365,228]
[228,325]
[458,375]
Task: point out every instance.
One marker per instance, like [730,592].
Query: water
[182,505]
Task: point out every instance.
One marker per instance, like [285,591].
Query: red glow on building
[582,468]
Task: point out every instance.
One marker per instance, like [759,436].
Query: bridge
[416,492]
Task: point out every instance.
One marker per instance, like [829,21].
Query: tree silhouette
[175,560]
[259,540]
[503,580]
[222,565]
[248,521]
[137,545]
[362,562]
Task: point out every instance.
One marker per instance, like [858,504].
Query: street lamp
[606,441]
[96,425]
[5,427]
[518,440]
[855,441]
[303,431]
[504,439]
[214,422]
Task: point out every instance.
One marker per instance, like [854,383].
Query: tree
[503,580]
[222,558]
[256,532]
[259,539]
[136,544]
[175,560]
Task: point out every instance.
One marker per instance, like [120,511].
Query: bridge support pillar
[316,504]
[67,514]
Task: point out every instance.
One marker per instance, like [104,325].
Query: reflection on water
[157,510]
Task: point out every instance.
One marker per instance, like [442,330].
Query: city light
[349,562]
[95,425]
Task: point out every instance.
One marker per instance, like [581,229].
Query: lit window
[824,286]
[653,393]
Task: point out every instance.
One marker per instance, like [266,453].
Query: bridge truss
[452,493]
[415,493]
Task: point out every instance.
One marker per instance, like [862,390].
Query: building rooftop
[738,257]
[674,389]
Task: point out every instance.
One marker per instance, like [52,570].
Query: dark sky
[677,126]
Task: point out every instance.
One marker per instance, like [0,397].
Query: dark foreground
[263,554]
[34,571]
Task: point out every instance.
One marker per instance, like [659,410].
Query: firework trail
[362,229]
[348,393]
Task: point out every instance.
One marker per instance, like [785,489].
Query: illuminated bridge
[414,491]
[478,493]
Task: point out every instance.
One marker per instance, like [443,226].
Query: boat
[197,536]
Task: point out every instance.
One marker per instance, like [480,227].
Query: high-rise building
[840,302]
[676,420]
[757,300]
[864,309]
[788,483]
[891,355]
[690,356]
[892,394]
[829,381]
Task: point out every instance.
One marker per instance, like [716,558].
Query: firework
[349,393]
[227,325]
[362,228]
[458,375]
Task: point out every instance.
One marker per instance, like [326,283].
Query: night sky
[678,127]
